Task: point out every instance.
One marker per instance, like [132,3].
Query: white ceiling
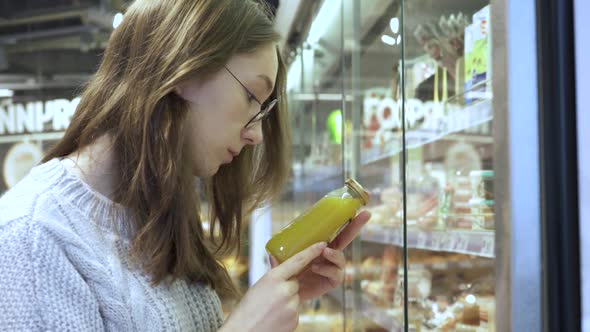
[377,59]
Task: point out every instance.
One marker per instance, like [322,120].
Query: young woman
[105,234]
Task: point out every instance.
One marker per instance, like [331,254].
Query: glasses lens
[270,106]
[263,113]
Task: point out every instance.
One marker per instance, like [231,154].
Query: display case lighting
[6,93]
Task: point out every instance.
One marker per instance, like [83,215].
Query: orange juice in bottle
[322,222]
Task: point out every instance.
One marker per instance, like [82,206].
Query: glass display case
[399,95]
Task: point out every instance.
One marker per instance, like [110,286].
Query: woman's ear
[188,90]
[179,91]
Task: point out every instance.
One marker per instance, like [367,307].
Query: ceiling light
[294,75]
[325,17]
[117,20]
[394,25]
[388,40]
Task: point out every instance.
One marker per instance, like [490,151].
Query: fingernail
[321,245]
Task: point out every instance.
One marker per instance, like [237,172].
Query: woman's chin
[205,172]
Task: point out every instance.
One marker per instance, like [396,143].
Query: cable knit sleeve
[65,265]
[40,289]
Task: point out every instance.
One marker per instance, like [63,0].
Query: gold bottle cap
[362,193]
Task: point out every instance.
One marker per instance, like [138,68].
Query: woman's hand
[327,271]
[272,304]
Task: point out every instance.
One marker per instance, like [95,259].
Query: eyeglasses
[264,108]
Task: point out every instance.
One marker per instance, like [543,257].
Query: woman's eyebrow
[266,80]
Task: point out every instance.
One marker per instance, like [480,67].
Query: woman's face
[221,107]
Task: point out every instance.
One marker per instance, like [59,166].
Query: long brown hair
[160,44]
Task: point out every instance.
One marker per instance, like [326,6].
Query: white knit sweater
[64,265]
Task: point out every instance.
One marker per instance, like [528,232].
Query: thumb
[273,261]
[294,265]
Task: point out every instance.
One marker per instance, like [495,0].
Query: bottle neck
[355,194]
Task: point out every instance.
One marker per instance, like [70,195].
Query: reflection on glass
[414,93]
[449,196]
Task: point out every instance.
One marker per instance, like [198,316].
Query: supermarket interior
[463,120]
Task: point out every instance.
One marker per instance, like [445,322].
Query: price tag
[396,237]
[446,241]
[487,248]
[380,237]
[437,239]
[422,239]
[462,242]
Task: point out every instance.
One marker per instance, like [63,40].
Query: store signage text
[32,117]
[386,113]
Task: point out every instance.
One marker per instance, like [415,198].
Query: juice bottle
[322,222]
